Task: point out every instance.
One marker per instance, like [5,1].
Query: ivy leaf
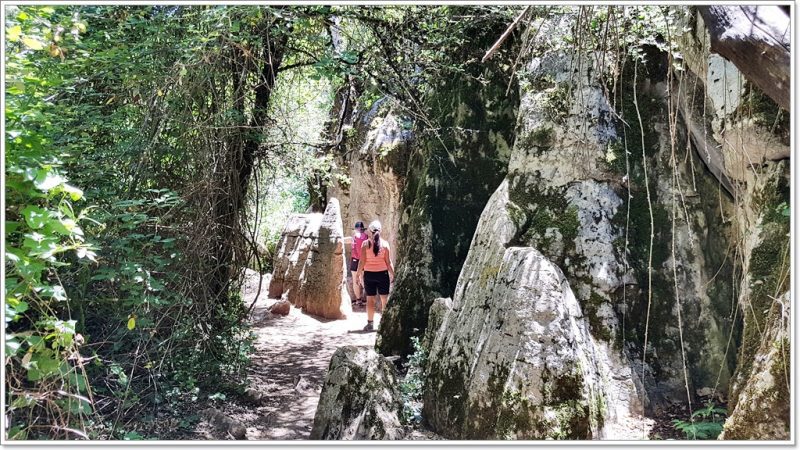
[35,217]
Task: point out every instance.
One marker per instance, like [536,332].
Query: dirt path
[289,364]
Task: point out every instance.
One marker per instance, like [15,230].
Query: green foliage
[45,237]
[413,384]
[705,423]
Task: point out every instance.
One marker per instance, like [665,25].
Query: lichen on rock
[360,399]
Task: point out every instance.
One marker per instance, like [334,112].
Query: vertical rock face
[294,246]
[360,399]
[515,358]
[323,292]
[451,174]
[372,160]
[751,135]
[309,264]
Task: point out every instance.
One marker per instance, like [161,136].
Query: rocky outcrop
[294,246]
[515,358]
[370,168]
[759,389]
[451,173]
[360,398]
[310,268]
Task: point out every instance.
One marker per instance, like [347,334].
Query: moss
[598,328]
[764,112]
[558,102]
[540,139]
[489,273]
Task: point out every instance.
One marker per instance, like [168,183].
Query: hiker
[359,236]
[375,270]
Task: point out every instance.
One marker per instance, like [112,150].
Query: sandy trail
[287,348]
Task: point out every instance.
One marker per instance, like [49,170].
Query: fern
[708,428]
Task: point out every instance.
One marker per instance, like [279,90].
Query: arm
[348,240]
[387,258]
[360,273]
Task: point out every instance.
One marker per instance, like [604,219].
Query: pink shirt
[355,248]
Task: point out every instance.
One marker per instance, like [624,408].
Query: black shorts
[354,265]
[376,283]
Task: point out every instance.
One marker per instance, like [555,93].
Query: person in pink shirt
[359,236]
[375,270]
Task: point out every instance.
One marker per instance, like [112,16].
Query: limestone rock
[515,358]
[224,424]
[360,398]
[446,188]
[762,410]
[295,244]
[281,307]
[323,292]
[309,265]
[375,163]
[440,308]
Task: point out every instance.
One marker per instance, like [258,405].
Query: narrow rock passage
[289,363]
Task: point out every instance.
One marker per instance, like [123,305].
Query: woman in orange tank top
[375,270]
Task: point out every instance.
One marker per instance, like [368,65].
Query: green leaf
[35,217]
[12,346]
[13,33]
[32,43]
[47,179]
[132,436]
[131,323]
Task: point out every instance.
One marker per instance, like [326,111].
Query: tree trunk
[756,40]
[240,159]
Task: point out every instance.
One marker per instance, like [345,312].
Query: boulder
[294,246]
[224,424]
[360,399]
[515,358]
[309,268]
[322,290]
[281,307]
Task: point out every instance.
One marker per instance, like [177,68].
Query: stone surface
[281,307]
[451,174]
[763,404]
[294,246]
[360,398]
[373,159]
[224,424]
[322,291]
[514,358]
[309,268]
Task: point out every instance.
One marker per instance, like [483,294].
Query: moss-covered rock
[360,399]
[451,174]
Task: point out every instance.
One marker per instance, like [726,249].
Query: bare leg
[384,299]
[356,286]
[370,307]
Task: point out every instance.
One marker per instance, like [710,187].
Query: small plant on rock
[413,384]
[704,423]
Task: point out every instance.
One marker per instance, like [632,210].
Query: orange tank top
[375,263]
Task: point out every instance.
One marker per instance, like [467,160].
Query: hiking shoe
[369,327]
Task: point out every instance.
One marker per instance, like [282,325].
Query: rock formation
[309,266]
[634,254]
[515,357]
[371,166]
[451,174]
[360,398]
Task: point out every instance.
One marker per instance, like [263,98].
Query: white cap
[375,226]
